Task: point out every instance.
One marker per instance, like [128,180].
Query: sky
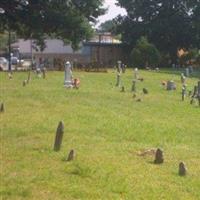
[112,12]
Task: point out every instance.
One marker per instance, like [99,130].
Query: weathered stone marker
[187,72]
[119,71]
[68,83]
[133,89]
[43,72]
[2,107]
[123,89]
[24,83]
[159,157]
[183,79]
[182,171]
[171,85]
[59,136]
[71,155]
[183,92]
[198,92]
[145,91]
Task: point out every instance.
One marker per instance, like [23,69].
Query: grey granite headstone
[68,75]
[187,72]
[183,92]
[171,85]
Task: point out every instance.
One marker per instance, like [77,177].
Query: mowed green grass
[107,129]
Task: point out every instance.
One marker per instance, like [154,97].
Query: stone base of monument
[68,84]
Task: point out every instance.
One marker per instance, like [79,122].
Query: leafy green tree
[169,24]
[145,54]
[68,20]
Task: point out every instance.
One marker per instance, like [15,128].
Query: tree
[145,54]
[107,26]
[67,19]
[169,24]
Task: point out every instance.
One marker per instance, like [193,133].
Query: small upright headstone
[171,85]
[145,91]
[24,83]
[198,93]
[59,136]
[133,89]
[38,72]
[123,89]
[2,107]
[187,72]
[43,72]
[183,79]
[10,75]
[159,157]
[119,71]
[136,74]
[191,70]
[68,75]
[183,92]
[182,169]
[71,155]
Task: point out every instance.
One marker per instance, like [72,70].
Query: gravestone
[10,76]
[68,75]
[2,107]
[183,79]
[38,72]
[59,136]
[171,85]
[183,92]
[191,70]
[133,89]
[123,89]
[159,157]
[145,91]
[71,155]
[24,83]
[119,71]
[43,72]
[136,74]
[187,72]
[182,171]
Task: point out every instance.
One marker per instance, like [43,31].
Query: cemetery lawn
[107,129]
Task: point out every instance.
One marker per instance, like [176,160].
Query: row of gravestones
[159,159]
[136,78]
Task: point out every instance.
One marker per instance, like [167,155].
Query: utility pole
[9,51]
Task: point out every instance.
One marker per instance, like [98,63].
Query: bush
[145,54]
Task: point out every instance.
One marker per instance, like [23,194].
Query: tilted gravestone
[59,136]
[71,155]
[159,157]
[2,107]
[182,171]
